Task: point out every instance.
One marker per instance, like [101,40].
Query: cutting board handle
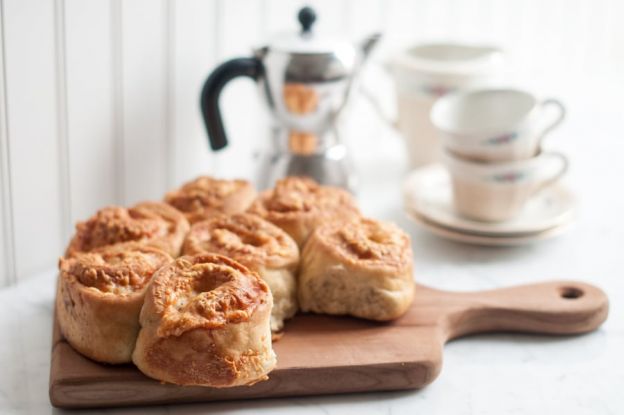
[556,307]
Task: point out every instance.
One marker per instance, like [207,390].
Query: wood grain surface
[328,355]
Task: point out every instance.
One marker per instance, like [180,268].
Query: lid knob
[307,17]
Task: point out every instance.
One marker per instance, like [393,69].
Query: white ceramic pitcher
[422,74]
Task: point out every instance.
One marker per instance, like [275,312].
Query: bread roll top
[153,223]
[120,269]
[366,242]
[247,238]
[206,197]
[297,195]
[204,291]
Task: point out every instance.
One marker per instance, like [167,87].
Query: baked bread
[298,205]
[261,247]
[150,223]
[205,321]
[100,295]
[363,268]
[206,197]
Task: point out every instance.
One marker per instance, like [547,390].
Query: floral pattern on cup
[495,125]
[436,90]
[501,139]
[496,192]
[510,177]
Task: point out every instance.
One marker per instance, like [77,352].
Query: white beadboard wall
[99,98]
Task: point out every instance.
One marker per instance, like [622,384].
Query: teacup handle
[551,102]
[565,165]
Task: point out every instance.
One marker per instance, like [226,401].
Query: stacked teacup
[491,141]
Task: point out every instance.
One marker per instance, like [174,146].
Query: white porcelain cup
[494,192]
[422,74]
[495,124]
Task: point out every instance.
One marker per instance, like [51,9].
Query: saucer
[428,195]
[485,240]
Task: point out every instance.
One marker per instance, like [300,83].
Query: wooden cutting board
[328,355]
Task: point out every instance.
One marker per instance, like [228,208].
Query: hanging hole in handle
[571,293]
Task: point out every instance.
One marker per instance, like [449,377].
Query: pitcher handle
[374,102]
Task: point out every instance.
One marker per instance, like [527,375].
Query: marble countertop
[485,374]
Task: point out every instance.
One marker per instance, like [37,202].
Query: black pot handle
[211,91]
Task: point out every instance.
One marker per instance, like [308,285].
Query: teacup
[494,124]
[495,192]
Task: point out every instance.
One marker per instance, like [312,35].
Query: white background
[99,98]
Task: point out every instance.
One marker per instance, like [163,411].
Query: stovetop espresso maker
[306,81]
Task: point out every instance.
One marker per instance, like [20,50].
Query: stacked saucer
[428,200]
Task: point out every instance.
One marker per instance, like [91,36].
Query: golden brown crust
[362,268]
[298,205]
[244,237]
[205,291]
[120,269]
[150,223]
[257,244]
[206,197]
[205,321]
[367,243]
[100,294]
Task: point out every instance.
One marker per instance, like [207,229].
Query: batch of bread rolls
[194,289]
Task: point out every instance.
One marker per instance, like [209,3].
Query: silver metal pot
[306,81]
